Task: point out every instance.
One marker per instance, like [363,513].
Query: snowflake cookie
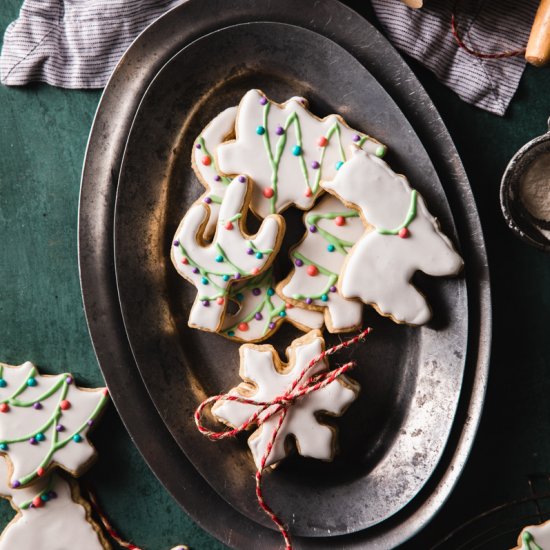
[332,230]
[403,237]
[44,422]
[534,537]
[287,151]
[261,312]
[51,514]
[231,256]
[266,377]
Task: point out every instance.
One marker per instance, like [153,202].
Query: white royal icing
[261,311]
[205,166]
[23,422]
[60,523]
[325,247]
[231,256]
[278,147]
[266,378]
[534,537]
[378,270]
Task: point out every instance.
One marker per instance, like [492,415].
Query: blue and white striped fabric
[489,26]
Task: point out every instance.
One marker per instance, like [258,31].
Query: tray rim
[105,157]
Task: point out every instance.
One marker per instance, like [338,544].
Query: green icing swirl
[411,214]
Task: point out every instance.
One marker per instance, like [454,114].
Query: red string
[475,53]
[298,389]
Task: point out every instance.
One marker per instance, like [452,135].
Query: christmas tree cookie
[403,237]
[287,151]
[205,166]
[51,514]
[266,377]
[332,230]
[261,312]
[44,422]
[231,256]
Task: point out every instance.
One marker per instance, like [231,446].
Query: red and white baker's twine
[280,404]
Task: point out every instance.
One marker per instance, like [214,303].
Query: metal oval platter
[392,438]
[147,425]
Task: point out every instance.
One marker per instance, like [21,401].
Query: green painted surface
[43,134]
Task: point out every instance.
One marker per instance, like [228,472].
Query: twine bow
[300,387]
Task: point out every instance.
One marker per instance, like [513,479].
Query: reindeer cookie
[50,515]
[287,151]
[204,164]
[402,238]
[44,422]
[266,377]
[332,230]
[231,256]
[534,537]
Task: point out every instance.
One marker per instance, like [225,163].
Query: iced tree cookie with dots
[51,514]
[266,377]
[287,151]
[402,238]
[231,256]
[204,163]
[534,537]
[261,312]
[44,423]
[332,230]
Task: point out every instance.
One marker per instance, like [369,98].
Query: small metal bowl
[526,211]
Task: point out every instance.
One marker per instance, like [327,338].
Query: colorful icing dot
[225,277]
[331,248]
[270,291]
[254,271]
[69,380]
[237,275]
[52,495]
[16,484]
[298,262]
[340,220]
[176,243]
[105,392]
[77,438]
[207,200]
[338,165]
[296,150]
[60,428]
[258,316]
[204,281]
[404,233]
[3,446]
[308,301]
[289,306]
[249,251]
[31,382]
[312,270]
[356,137]
[229,226]
[45,497]
[280,130]
[4,407]
[219,258]
[32,441]
[40,471]
[220,301]
[263,100]
[184,261]
[243,327]
[3,383]
[260,130]
[322,141]
[198,146]
[271,325]
[206,303]
[37,502]
[256,291]
[268,192]
[324,297]
[259,255]
[332,288]
[217,177]
[90,422]
[65,405]
[242,179]
[308,192]
[230,333]
[40,436]
[312,228]
[37,406]
[195,270]
[206,160]
[282,313]
[315,165]
[239,296]
[380,151]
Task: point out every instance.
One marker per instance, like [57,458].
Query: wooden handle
[538,47]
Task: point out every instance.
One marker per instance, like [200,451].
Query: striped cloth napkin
[77,43]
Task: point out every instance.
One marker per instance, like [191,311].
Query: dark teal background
[43,133]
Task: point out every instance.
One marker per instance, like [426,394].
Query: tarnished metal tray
[99,184]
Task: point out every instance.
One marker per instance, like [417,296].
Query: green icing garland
[529,541]
[411,214]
